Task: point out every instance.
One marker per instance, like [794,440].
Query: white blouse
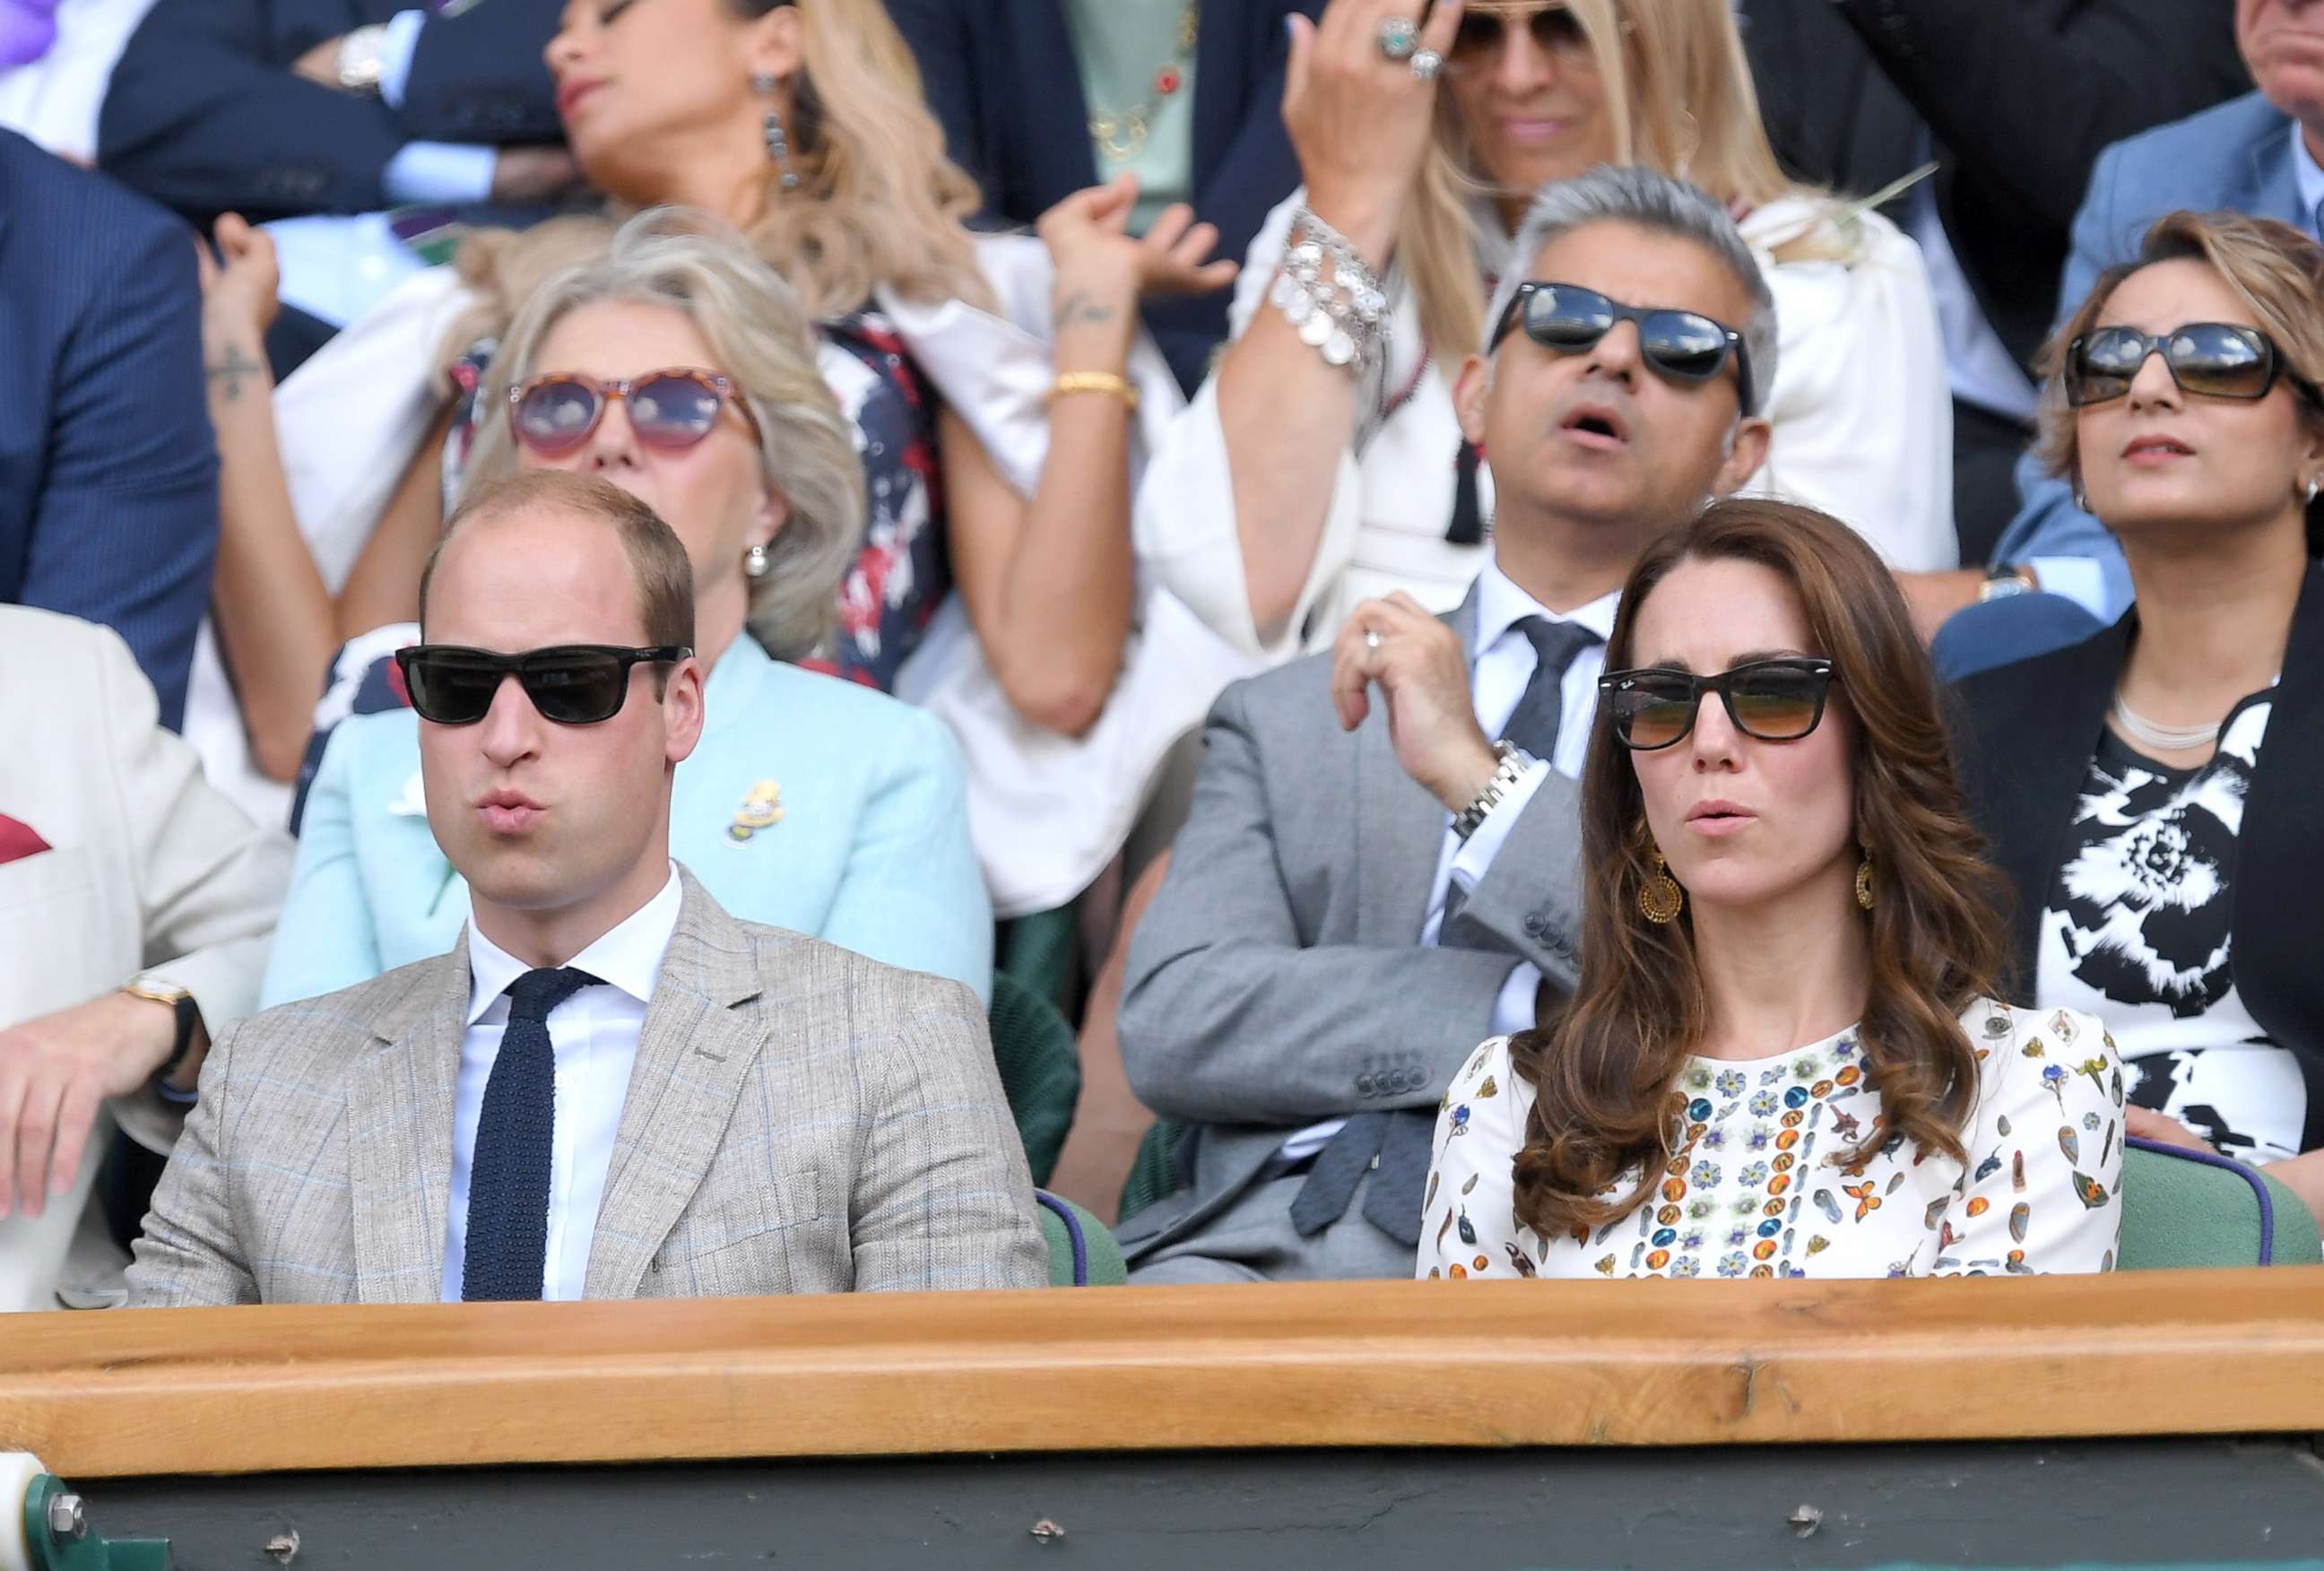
[1862,419]
[1757,1186]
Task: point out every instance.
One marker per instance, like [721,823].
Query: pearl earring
[755,562]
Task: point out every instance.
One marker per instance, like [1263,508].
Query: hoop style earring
[755,562]
[2081,503]
[779,147]
[1864,880]
[1660,898]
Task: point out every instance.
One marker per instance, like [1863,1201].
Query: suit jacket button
[1534,925]
[1366,1085]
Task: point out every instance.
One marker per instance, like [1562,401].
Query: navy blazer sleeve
[204,115]
[481,75]
[122,529]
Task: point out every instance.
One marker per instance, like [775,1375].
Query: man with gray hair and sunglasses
[1382,864]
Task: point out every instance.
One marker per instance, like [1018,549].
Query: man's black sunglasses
[573,684]
[1680,345]
[1774,700]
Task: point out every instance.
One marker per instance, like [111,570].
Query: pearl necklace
[2162,738]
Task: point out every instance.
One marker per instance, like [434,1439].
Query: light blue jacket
[872,852]
[2235,156]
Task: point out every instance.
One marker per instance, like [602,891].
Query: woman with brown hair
[2150,792]
[1783,1058]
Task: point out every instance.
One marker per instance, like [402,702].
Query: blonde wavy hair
[1679,94]
[760,335]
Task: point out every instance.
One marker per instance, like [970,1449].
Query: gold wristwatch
[188,1014]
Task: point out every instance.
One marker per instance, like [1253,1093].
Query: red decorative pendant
[1167,81]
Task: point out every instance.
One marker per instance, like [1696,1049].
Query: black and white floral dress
[2137,932]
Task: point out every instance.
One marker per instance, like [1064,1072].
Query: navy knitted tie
[508,1176]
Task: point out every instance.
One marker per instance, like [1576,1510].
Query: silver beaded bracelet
[1344,317]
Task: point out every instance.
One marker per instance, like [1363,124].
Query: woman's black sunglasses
[573,684]
[1774,700]
[2216,360]
[1680,345]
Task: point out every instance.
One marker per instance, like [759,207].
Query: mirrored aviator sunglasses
[1678,346]
[1773,700]
[2214,359]
[671,410]
[1484,27]
[574,684]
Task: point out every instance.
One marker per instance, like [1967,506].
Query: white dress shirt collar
[2310,177]
[628,957]
[1501,605]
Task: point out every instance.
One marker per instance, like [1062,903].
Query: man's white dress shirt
[595,1036]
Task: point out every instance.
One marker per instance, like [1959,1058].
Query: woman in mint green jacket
[680,368]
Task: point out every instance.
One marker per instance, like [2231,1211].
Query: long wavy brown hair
[1606,1075]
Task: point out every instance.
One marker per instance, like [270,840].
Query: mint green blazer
[872,852]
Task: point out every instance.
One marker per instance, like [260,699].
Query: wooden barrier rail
[1371,1363]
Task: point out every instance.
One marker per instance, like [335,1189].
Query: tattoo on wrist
[1079,310]
[231,369]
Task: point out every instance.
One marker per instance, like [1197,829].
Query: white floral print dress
[1755,1186]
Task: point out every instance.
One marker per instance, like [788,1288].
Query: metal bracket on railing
[55,1523]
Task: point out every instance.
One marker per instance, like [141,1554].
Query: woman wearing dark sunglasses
[680,370]
[1319,468]
[2150,791]
[1783,1059]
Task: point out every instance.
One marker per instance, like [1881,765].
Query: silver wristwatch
[363,58]
[1515,762]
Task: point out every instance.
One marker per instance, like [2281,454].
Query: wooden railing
[1372,1364]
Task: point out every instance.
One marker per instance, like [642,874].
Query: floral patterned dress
[1758,1184]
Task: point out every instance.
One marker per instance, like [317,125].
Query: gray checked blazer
[800,1120]
[1278,979]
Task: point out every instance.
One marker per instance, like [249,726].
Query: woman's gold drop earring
[1864,879]
[1660,898]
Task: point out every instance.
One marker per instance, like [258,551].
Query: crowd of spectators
[1567,637]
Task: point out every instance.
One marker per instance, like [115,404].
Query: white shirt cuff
[1515,1009]
[2077,578]
[439,171]
[1475,858]
[396,48]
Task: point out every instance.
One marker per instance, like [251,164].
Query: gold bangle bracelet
[1104,382]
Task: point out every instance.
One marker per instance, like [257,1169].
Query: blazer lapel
[2038,742]
[694,1051]
[2275,183]
[400,1107]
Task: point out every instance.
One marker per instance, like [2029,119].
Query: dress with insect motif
[1761,1182]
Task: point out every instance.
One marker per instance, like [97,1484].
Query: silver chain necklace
[2162,738]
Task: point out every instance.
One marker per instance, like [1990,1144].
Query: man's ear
[1746,449]
[682,709]
[1470,389]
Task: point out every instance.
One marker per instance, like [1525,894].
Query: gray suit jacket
[800,1120]
[1278,978]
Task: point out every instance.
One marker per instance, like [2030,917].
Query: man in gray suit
[1370,885]
[610,1089]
